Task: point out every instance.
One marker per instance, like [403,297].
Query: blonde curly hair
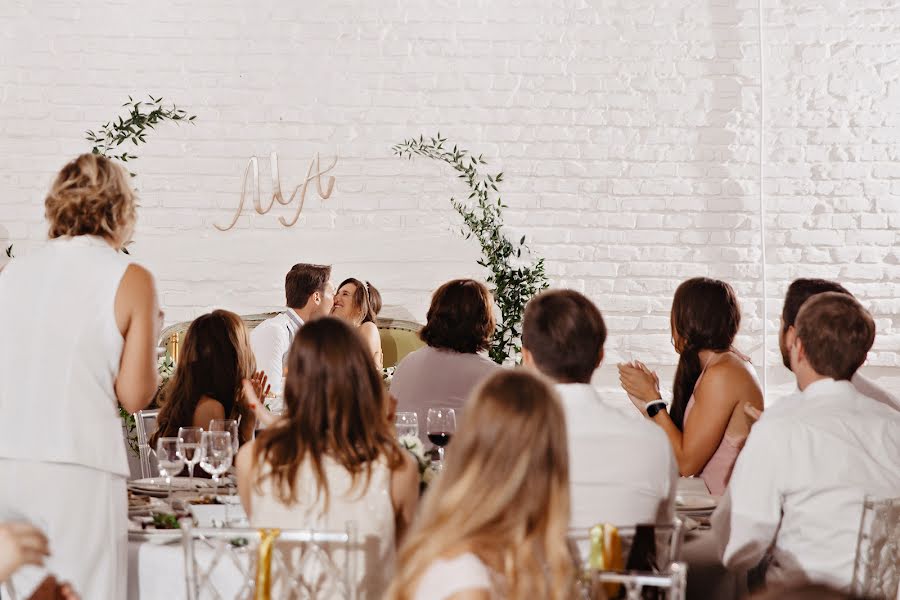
[91,196]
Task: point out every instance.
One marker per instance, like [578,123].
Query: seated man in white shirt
[621,468]
[797,489]
[309,294]
[799,292]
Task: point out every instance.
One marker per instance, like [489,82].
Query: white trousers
[83,512]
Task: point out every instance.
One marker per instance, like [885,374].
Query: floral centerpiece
[427,470]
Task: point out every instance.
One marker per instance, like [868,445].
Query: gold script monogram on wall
[315,171]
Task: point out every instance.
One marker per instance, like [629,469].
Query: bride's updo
[91,196]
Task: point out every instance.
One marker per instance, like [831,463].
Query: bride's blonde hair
[504,494]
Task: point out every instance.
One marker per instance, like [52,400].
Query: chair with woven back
[225,563]
[650,566]
[876,571]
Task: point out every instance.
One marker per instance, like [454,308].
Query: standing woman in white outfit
[79,326]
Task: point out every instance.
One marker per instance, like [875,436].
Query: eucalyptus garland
[513,282]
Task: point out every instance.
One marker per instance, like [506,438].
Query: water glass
[229,425]
[189,439]
[216,455]
[169,460]
[407,423]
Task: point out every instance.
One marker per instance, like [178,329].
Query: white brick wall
[628,130]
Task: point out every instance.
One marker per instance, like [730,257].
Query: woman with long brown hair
[358,303]
[215,359]
[494,524]
[706,424]
[332,457]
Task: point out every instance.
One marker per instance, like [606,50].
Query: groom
[309,293]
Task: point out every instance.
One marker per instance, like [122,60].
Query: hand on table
[20,544]
[640,383]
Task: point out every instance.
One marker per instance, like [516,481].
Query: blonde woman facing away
[80,324]
[359,303]
[494,524]
[332,457]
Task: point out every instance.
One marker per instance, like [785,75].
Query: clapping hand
[20,544]
[640,383]
[254,388]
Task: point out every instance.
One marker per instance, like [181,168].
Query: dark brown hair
[837,334]
[334,406]
[215,359]
[366,297]
[802,290]
[705,316]
[460,318]
[91,195]
[304,280]
[565,333]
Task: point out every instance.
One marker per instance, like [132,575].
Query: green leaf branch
[133,127]
[513,282]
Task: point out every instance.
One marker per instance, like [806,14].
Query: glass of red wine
[441,427]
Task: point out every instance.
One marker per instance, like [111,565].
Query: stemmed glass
[189,448]
[169,460]
[231,426]
[407,423]
[216,454]
[441,427]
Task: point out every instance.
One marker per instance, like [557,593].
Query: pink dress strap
[717,470]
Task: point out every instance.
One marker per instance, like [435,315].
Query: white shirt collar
[295,321]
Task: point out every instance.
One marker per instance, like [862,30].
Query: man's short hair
[304,280]
[802,290]
[565,333]
[837,334]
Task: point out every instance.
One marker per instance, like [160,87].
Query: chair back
[145,424]
[222,563]
[876,571]
[670,584]
[398,337]
[646,547]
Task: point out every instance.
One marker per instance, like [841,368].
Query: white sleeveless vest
[60,350]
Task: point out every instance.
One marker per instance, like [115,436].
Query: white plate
[155,536]
[179,484]
[685,502]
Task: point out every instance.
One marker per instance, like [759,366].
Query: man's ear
[317,298]
[527,358]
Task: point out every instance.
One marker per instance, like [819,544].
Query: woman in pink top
[707,423]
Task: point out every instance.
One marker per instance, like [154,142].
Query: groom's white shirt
[621,469]
[271,341]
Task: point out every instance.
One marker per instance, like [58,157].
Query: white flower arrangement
[415,447]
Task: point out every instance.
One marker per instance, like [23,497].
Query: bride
[359,303]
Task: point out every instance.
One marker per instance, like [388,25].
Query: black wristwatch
[654,407]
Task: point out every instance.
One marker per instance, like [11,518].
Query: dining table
[156,563]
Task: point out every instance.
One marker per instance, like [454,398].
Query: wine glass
[216,454]
[441,427]
[407,423]
[229,425]
[189,448]
[169,460]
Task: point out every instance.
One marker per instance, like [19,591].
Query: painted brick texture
[628,132]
